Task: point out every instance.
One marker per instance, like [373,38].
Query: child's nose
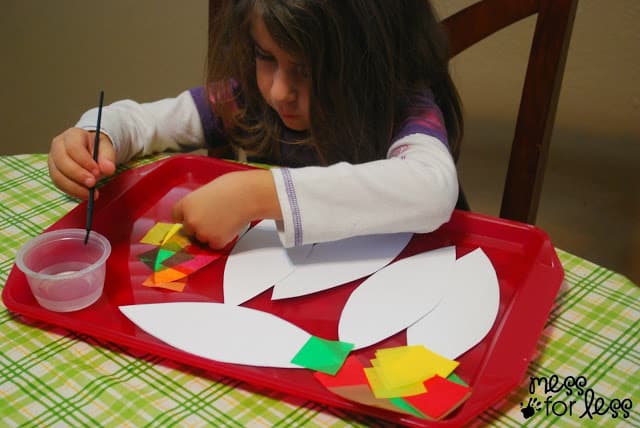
[282,88]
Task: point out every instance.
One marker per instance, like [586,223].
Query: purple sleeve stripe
[295,209]
[425,117]
[212,135]
[416,128]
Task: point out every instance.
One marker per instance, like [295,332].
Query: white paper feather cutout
[467,311]
[331,264]
[257,261]
[220,332]
[396,296]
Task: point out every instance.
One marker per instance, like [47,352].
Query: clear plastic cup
[63,273]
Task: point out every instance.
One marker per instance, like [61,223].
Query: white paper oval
[331,264]
[467,311]
[220,332]
[395,297]
[257,261]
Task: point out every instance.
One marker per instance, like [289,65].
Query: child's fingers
[106,157]
[177,214]
[65,184]
[79,147]
[66,159]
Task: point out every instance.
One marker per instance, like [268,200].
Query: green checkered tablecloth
[53,377]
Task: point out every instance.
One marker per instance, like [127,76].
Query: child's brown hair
[367,58]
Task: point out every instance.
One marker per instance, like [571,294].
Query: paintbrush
[96,146]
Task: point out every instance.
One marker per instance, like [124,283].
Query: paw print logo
[533,406]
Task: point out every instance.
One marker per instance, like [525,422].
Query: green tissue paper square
[162,256]
[402,403]
[322,355]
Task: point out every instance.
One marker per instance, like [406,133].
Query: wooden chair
[540,92]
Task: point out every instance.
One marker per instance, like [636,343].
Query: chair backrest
[540,92]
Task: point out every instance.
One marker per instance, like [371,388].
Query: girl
[352,98]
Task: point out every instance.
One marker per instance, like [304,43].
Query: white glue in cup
[63,273]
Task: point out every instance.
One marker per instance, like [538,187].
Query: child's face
[283,82]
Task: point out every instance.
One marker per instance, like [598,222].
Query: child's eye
[262,55]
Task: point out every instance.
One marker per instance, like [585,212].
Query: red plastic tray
[526,264]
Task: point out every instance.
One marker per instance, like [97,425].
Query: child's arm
[415,190]
[128,129]
[216,212]
[139,129]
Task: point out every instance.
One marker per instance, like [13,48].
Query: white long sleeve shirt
[414,189]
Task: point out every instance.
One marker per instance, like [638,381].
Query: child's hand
[218,211]
[71,164]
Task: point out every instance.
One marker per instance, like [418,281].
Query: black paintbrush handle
[96,148]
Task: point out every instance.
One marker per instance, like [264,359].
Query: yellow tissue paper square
[171,232]
[176,239]
[407,365]
[380,390]
[157,234]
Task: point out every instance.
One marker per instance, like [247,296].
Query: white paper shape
[220,332]
[396,296]
[467,311]
[257,261]
[331,264]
